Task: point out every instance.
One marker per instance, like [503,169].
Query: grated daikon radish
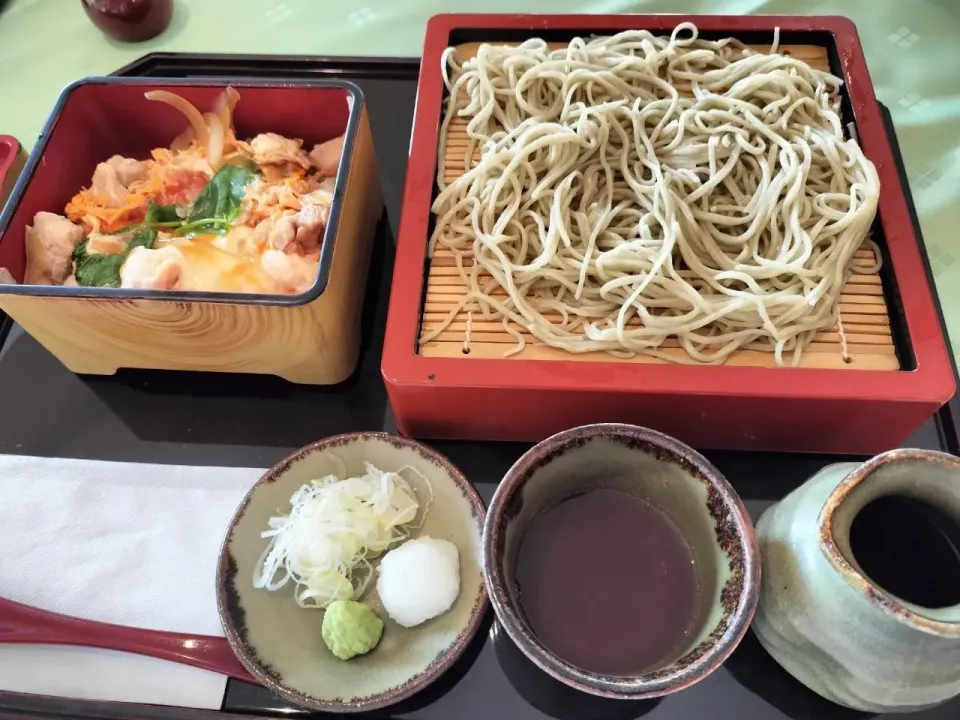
[335,526]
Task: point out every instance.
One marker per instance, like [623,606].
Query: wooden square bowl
[312,337]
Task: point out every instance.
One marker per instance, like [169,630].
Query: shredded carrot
[87,204]
[91,209]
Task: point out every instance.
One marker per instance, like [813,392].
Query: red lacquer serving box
[824,408]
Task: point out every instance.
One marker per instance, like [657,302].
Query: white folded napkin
[122,543]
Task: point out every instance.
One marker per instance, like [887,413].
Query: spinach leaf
[144,237]
[220,201]
[162,214]
[96,270]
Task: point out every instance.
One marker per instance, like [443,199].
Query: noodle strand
[605,210]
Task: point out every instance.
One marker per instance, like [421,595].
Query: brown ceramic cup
[129,20]
[672,478]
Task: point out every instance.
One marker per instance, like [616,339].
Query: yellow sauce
[217,263]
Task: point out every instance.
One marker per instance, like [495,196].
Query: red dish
[785,409]
[12,159]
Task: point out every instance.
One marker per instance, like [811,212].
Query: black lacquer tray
[249,421]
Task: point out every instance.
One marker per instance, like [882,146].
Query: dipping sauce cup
[620,561]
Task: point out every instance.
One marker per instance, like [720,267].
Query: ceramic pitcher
[830,625]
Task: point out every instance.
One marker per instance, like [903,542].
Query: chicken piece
[6,277]
[186,160]
[276,173]
[326,156]
[311,221]
[192,164]
[128,170]
[71,281]
[102,244]
[282,232]
[261,198]
[107,185]
[152,269]
[49,244]
[112,179]
[317,182]
[299,232]
[322,197]
[273,149]
[292,272]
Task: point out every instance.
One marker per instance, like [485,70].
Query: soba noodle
[610,208]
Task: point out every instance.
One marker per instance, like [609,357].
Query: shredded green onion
[335,526]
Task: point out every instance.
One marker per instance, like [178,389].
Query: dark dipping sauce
[910,549]
[608,583]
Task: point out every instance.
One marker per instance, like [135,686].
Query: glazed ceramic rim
[877,596]
[626,688]
[418,682]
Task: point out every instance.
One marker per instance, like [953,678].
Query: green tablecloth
[911,48]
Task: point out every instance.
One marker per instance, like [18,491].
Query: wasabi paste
[350,628]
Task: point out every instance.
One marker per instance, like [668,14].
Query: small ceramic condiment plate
[280,643]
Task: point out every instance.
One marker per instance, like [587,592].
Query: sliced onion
[182,141]
[215,148]
[181,104]
[224,107]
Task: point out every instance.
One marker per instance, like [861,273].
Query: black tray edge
[383,67]
[19,706]
[948,416]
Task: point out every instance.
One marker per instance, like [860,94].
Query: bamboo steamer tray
[890,359]
[863,310]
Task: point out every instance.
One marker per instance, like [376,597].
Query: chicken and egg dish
[211,213]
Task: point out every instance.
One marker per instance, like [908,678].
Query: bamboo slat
[863,309]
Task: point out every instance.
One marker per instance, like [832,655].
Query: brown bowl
[129,20]
[670,477]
